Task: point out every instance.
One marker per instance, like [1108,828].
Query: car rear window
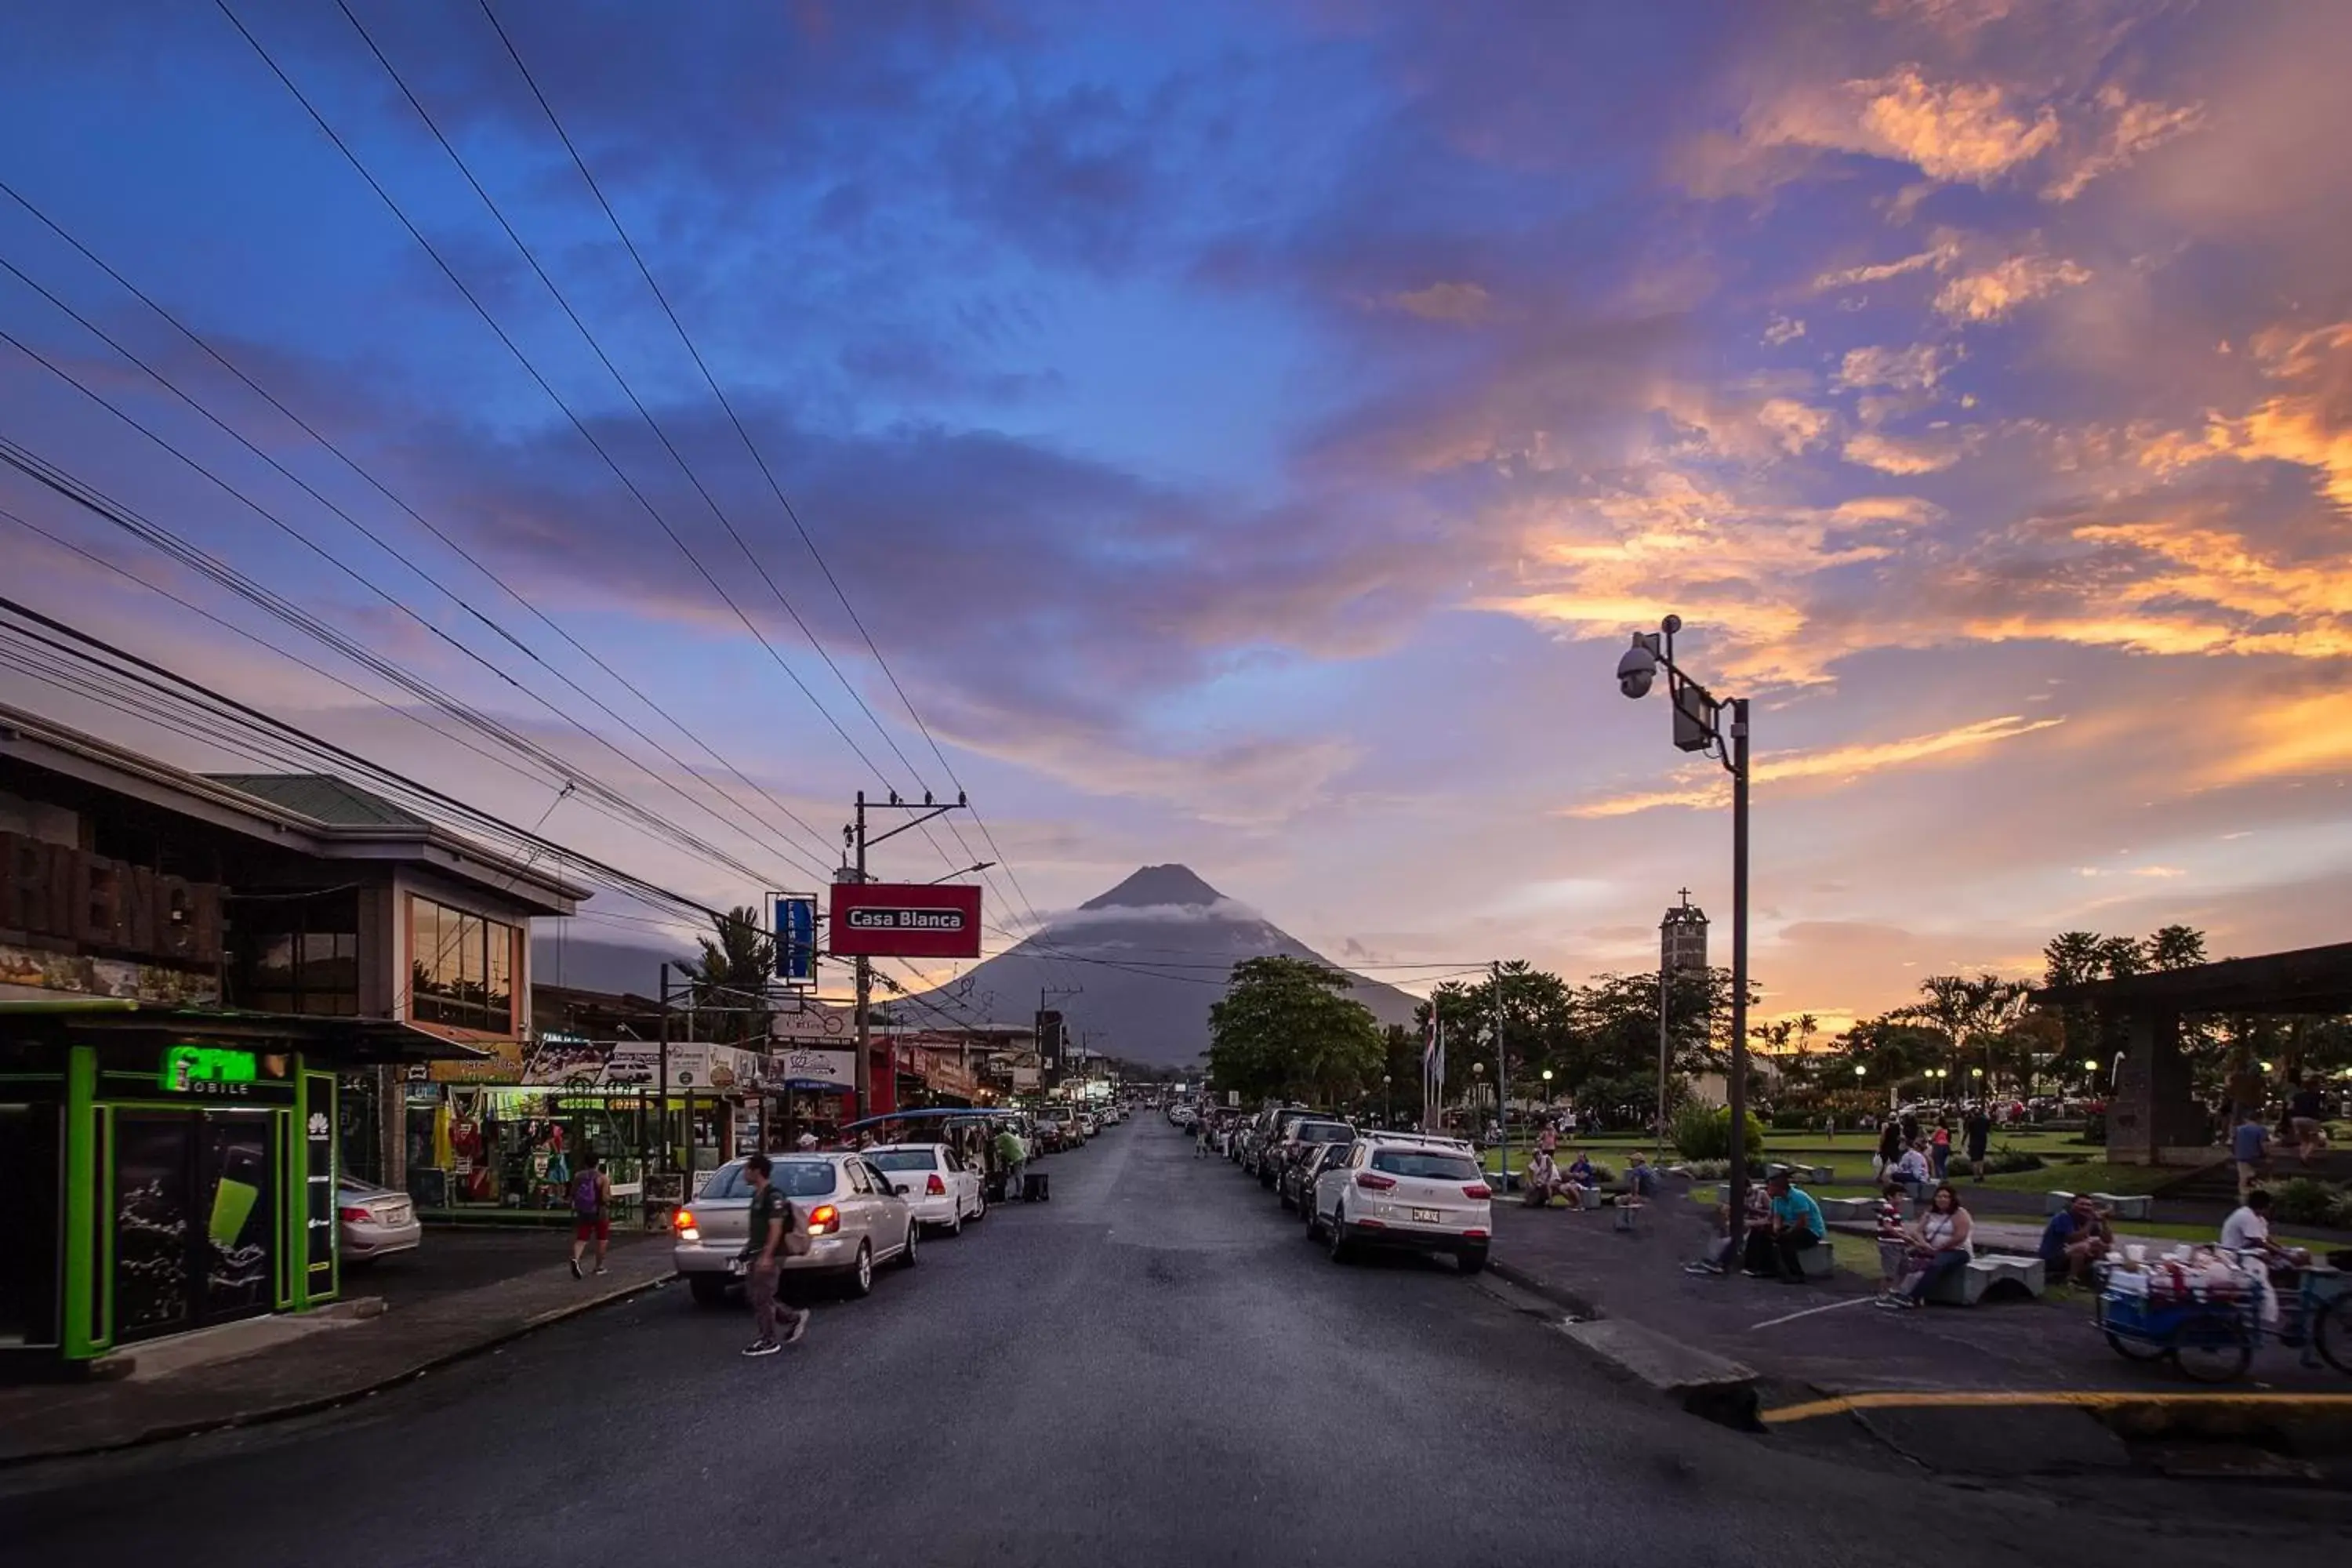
[904,1159]
[1325,1132]
[793,1178]
[1426,1163]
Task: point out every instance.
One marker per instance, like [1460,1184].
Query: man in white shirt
[2248,1228]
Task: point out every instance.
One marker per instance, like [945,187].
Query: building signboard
[905,919]
[796,939]
[71,895]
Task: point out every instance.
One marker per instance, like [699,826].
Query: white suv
[1400,1190]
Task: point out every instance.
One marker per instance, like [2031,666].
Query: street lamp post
[1699,726]
[1387,1101]
[1547,1077]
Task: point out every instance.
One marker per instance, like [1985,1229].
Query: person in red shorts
[592,1210]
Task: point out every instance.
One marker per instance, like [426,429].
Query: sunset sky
[1250,428]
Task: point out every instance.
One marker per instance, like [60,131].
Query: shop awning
[359,1041]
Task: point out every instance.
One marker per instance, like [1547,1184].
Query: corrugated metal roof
[322,798]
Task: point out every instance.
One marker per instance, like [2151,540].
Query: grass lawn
[2088,1177]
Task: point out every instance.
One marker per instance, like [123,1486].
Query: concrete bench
[1967,1286]
[1818,1262]
[1849,1209]
[2119,1205]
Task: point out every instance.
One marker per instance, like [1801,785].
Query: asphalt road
[1153,1369]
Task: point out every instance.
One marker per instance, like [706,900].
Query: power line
[449,542]
[65,484]
[372,538]
[760,459]
[122,665]
[577,423]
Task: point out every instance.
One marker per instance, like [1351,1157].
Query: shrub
[1704,1132]
[2304,1200]
[1706,1170]
[1788,1121]
[2007,1157]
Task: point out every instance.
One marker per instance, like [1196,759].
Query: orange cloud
[1964,132]
[1844,764]
[2304,736]
[1899,455]
[1990,295]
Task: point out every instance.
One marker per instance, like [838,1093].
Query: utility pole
[662,1089]
[1502,1078]
[855,838]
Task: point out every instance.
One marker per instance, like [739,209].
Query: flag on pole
[1433,1069]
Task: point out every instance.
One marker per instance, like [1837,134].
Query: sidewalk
[268,1368]
[1809,1347]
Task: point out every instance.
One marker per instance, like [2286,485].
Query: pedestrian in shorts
[592,1210]
[771,1216]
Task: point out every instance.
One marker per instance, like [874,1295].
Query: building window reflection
[460,969]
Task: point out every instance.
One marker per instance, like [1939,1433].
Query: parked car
[941,1190]
[1087,1125]
[1272,1128]
[1295,1186]
[1051,1133]
[374,1222]
[855,1221]
[1397,1190]
[1304,1138]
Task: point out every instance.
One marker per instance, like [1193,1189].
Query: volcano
[1150,954]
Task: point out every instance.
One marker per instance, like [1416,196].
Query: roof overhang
[2311,980]
[39,742]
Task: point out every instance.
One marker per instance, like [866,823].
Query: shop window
[460,969]
[296,954]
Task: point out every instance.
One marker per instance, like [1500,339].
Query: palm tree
[732,980]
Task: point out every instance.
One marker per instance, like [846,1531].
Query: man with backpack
[771,1221]
[592,1210]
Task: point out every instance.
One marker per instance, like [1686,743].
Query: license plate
[393,1216]
[1426,1216]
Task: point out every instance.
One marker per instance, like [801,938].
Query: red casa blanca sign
[905,919]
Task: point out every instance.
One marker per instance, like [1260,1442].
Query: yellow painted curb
[2087,1399]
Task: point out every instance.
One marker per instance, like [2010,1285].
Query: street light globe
[1861,1071]
[1976,1072]
[2266,1067]
[1546,1075]
[1479,1068]
[2090,1064]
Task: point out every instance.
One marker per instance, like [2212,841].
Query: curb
[2151,1413]
[311,1406]
[1557,1295]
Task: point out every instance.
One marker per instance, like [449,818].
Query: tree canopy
[1288,1028]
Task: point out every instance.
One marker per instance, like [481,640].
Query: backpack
[586,1199]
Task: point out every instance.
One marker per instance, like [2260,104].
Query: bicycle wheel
[2331,1334]
[2132,1348]
[2213,1350]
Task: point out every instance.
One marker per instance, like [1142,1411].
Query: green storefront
[165,1170]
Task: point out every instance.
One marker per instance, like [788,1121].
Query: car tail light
[687,1227]
[355,1216]
[934,1187]
[1373,1182]
[1474,1234]
[823,1220]
[1477,1190]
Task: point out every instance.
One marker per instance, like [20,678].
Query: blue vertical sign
[796,939]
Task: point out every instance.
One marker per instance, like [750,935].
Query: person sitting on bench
[1795,1227]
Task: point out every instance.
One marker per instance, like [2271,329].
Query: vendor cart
[2208,1331]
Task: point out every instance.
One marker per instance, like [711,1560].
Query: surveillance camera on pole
[1699,726]
[1639,667]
